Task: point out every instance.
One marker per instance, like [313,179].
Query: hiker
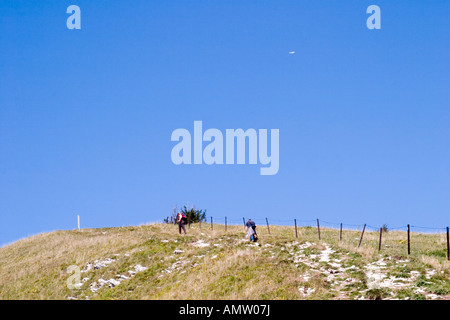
[181,219]
[251,230]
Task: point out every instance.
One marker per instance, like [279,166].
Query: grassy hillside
[155,262]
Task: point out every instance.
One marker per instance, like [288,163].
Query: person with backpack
[181,220]
[251,230]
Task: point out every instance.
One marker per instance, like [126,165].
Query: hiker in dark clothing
[251,224]
[251,230]
[182,220]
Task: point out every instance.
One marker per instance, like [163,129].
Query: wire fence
[398,235]
[325,224]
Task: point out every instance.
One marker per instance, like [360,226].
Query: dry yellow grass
[224,266]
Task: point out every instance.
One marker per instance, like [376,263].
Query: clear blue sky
[86,115]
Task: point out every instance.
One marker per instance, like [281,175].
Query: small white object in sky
[291,52]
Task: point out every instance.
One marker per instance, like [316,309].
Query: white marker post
[78,217]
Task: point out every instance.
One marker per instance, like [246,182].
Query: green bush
[192,215]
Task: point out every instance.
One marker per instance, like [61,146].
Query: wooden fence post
[212,226]
[243,219]
[295,223]
[381,233]
[340,236]
[409,240]
[318,227]
[362,235]
[448,246]
[268,228]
